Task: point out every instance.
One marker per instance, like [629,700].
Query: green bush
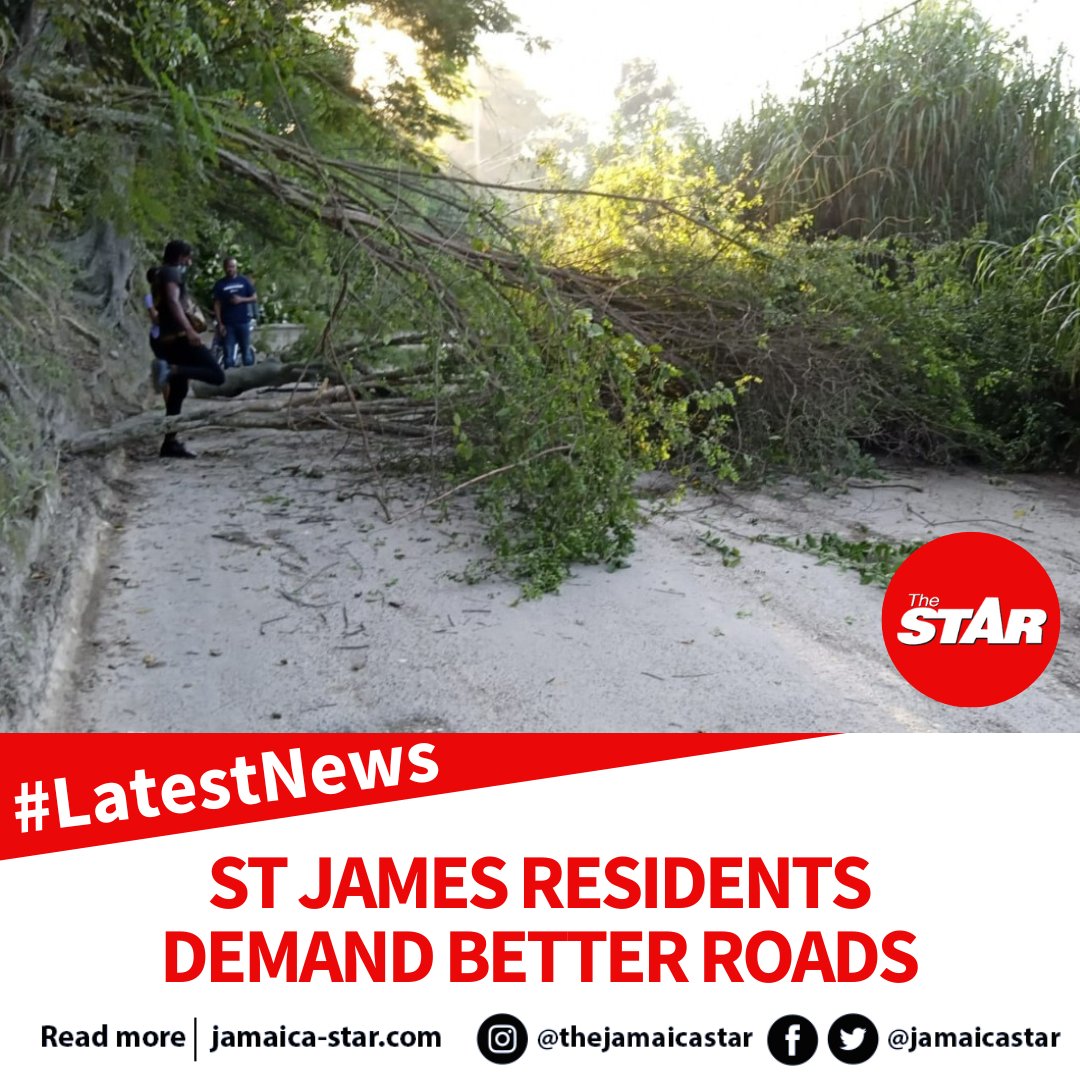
[563,430]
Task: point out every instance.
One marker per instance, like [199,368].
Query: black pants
[188,362]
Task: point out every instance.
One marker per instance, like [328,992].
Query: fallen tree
[336,406]
[678,363]
[239,380]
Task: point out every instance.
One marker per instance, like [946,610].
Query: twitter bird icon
[853,1039]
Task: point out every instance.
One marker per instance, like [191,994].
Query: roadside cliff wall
[73,355]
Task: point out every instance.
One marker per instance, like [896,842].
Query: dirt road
[261,587]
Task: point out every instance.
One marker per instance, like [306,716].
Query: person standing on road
[180,353]
[234,309]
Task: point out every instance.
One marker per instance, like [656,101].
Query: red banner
[77,791]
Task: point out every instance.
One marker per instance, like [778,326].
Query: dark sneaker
[159,374]
[175,448]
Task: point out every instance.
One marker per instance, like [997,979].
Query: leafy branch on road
[875,561]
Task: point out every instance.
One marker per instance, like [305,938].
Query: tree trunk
[306,409]
[108,261]
[239,379]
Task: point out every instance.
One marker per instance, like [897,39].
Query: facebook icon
[792,1040]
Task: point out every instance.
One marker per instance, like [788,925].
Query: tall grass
[1048,262]
[926,126]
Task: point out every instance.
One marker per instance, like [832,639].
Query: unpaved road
[261,588]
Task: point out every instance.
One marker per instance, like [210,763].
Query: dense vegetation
[887,264]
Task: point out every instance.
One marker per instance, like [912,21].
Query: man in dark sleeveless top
[181,354]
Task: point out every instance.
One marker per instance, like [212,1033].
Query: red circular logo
[971,619]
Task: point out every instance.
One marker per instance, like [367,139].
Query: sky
[721,55]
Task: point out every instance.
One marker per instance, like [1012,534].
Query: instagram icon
[502,1038]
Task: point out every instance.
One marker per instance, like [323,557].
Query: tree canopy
[802,293]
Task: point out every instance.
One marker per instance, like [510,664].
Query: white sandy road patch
[241,592]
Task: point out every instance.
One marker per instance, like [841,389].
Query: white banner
[901,903]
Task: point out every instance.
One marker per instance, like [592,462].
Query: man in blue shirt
[234,309]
